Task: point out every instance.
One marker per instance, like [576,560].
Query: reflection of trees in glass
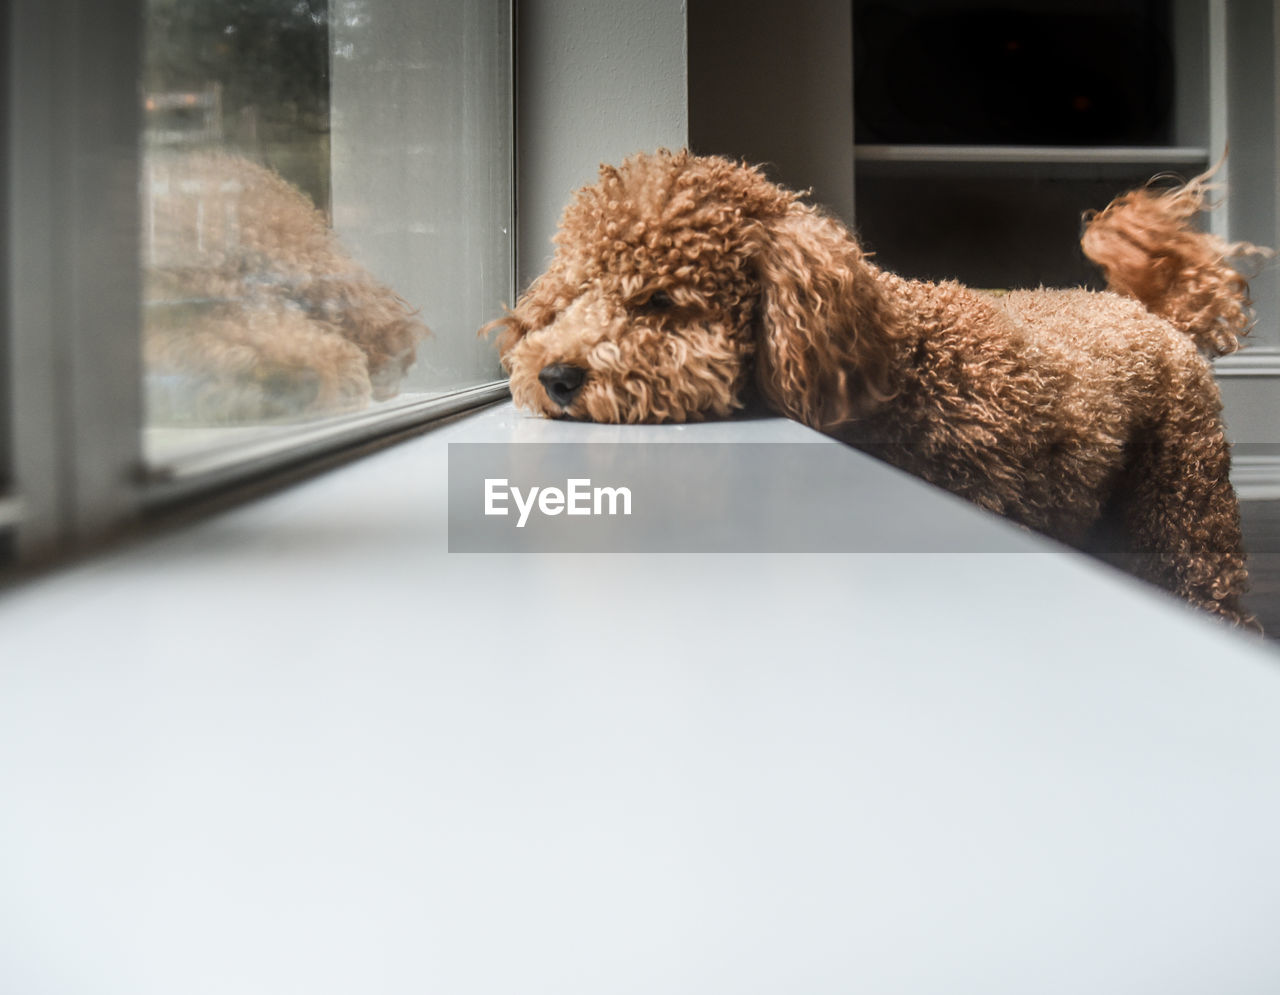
[268,62]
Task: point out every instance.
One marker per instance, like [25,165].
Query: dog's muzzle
[562,381]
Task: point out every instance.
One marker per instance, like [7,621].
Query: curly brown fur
[252,308]
[677,279]
[1147,247]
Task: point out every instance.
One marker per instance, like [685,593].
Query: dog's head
[675,275]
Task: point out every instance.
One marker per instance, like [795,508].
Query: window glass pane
[323,182]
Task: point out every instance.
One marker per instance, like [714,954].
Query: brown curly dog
[679,281]
[252,309]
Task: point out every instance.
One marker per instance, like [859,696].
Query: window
[249,231]
[326,211]
[983,132]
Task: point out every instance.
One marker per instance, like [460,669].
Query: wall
[596,83]
[772,83]
[1243,46]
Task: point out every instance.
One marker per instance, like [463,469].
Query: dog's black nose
[562,382]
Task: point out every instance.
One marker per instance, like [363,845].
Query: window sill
[373,526]
[305,720]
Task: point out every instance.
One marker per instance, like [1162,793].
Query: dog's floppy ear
[825,336]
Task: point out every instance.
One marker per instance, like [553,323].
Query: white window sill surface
[300,746]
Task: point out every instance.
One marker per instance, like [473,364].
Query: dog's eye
[659,300]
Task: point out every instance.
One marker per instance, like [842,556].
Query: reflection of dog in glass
[253,311]
[680,282]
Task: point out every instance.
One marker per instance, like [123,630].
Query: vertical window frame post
[74,313]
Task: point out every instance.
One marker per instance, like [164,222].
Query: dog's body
[1073,412]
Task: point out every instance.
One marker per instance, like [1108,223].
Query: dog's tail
[1148,248]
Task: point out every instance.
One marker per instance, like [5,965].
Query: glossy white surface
[299,747]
